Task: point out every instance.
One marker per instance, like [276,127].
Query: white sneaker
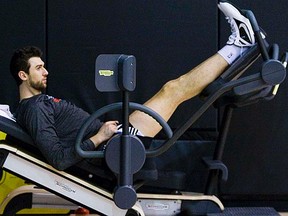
[242,32]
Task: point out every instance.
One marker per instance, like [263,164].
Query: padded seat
[93,170]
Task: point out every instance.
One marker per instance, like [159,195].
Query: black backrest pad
[11,128]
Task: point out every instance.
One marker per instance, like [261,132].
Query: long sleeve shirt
[53,125]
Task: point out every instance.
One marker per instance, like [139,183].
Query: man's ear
[22,75]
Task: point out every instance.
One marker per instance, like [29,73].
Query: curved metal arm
[109,108]
[274,52]
[258,35]
[284,59]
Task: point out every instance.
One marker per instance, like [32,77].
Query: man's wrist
[96,140]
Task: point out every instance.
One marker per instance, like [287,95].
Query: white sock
[231,52]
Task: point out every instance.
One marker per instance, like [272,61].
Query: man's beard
[40,86]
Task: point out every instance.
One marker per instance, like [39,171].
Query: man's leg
[174,92]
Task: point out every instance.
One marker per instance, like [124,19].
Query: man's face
[37,77]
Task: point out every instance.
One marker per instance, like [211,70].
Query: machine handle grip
[114,107]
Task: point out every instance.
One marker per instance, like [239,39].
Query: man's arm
[105,132]
[61,155]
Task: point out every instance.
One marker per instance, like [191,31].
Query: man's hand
[107,130]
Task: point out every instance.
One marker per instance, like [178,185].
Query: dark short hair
[19,61]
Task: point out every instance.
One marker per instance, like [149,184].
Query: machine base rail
[247,211]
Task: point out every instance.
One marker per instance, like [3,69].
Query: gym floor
[281,214]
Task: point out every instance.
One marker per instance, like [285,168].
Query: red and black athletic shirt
[53,125]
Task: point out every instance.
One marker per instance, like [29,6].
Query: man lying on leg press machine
[47,116]
[53,123]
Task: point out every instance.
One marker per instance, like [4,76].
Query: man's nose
[45,72]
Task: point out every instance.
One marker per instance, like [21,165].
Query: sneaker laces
[234,35]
